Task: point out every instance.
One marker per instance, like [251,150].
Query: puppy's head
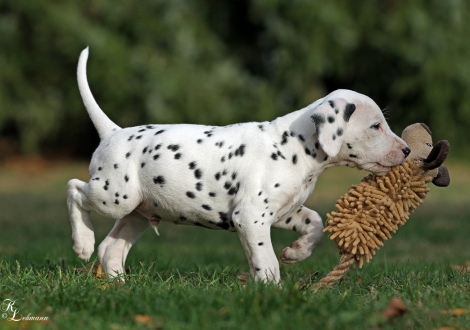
[352,130]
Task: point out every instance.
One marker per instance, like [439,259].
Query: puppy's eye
[429,145]
[376,126]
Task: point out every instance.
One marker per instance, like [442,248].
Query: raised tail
[102,123]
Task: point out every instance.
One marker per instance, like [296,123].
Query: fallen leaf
[244,277]
[143,319]
[456,312]
[395,308]
[461,269]
[94,267]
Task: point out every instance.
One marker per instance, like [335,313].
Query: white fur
[246,177]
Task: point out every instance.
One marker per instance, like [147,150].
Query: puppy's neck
[297,131]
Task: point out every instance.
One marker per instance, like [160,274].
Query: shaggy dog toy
[374,209]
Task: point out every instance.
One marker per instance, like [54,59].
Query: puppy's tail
[102,123]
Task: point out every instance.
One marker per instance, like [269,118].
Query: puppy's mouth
[375,168]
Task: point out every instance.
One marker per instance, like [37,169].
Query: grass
[187,278]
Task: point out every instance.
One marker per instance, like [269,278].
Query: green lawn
[187,278]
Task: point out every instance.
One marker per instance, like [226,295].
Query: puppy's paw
[84,245]
[294,253]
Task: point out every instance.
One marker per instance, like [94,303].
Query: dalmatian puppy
[245,178]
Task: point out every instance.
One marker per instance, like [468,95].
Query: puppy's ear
[330,119]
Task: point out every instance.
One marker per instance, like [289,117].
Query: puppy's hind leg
[79,210]
[113,251]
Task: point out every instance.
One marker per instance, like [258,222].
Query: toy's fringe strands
[371,211]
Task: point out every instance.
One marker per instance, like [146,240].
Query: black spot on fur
[352,156]
[138,137]
[126,178]
[217,176]
[106,182]
[128,154]
[333,137]
[332,104]
[326,157]
[260,193]
[274,156]
[227,185]
[206,207]
[190,194]
[277,185]
[307,151]
[142,165]
[192,165]
[223,216]
[116,165]
[222,159]
[116,194]
[173,147]
[261,127]
[266,201]
[158,146]
[156,156]
[301,138]
[234,175]
[294,228]
[319,120]
[294,159]
[145,150]
[288,220]
[160,132]
[339,131]
[349,145]
[317,145]
[260,243]
[116,202]
[285,135]
[307,221]
[212,194]
[125,197]
[149,126]
[234,190]
[177,156]
[331,119]
[130,138]
[198,173]
[348,111]
[104,203]
[199,141]
[105,187]
[141,130]
[159,180]
[240,151]
[258,269]
[100,168]
[199,186]
[219,144]
[230,155]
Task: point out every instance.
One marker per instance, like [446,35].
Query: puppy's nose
[406,151]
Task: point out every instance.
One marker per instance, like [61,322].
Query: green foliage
[217,62]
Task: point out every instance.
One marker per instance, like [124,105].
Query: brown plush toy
[371,211]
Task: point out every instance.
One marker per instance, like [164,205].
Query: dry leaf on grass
[94,267]
[148,321]
[395,308]
[456,312]
[462,269]
[244,277]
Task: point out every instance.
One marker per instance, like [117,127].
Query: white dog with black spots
[244,178]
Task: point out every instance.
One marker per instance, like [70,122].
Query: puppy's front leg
[255,236]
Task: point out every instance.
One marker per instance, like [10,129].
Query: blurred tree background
[220,61]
